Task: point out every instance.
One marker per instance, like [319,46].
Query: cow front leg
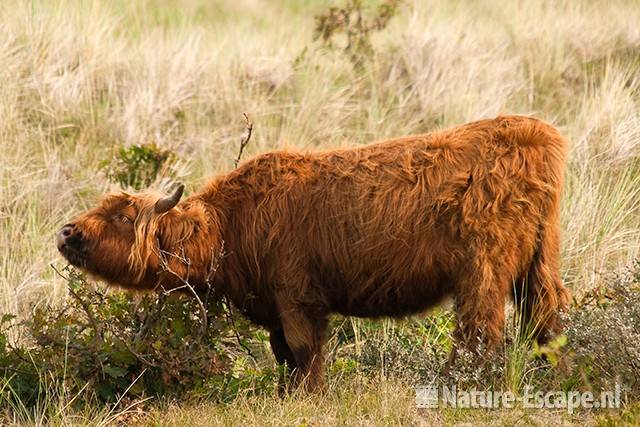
[305,336]
[284,356]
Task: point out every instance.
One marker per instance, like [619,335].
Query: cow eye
[124,219]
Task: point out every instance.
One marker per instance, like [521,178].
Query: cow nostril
[64,236]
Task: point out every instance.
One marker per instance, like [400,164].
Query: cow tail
[540,296]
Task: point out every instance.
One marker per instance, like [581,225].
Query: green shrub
[137,166]
[102,345]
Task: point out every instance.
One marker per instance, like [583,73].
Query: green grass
[82,79]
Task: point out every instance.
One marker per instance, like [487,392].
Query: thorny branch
[151,317]
[164,266]
[96,326]
[213,268]
[245,138]
[231,321]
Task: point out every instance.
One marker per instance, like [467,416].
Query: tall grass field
[90,88]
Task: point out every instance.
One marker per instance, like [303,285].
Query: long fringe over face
[146,236]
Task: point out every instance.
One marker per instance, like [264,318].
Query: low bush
[137,166]
[101,345]
[603,332]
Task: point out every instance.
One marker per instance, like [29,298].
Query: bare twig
[245,138]
[231,321]
[213,268]
[151,317]
[164,266]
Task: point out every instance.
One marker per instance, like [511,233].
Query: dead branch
[164,267]
[231,321]
[213,269]
[138,356]
[152,317]
[245,138]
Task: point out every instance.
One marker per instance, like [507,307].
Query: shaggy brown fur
[386,229]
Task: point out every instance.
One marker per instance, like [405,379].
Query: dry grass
[79,79]
[360,402]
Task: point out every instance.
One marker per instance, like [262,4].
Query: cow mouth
[75,256]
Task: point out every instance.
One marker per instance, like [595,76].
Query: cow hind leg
[480,303]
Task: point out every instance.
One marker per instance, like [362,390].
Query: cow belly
[394,300]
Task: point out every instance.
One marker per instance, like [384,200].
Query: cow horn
[167,203]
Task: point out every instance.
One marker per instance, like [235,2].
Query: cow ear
[174,229]
[177,226]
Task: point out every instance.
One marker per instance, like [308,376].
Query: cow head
[141,240]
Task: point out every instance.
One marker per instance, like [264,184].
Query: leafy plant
[137,166]
[105,345]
